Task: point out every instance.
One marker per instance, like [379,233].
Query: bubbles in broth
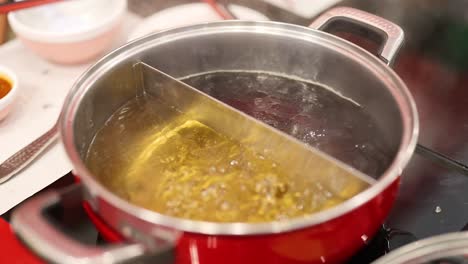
[305,110]
[185,169]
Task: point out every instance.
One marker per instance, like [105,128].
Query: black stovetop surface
[433,199]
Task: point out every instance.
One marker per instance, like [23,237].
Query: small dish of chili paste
[8,90]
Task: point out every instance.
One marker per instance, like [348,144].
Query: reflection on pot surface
[183,168]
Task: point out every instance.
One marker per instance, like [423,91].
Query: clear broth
[186,169]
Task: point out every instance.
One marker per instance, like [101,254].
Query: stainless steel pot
[449,248]
[308,53]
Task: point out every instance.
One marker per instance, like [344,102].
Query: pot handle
[32,226]
[392,34]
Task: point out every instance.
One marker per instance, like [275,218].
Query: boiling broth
[310,112]
[186,169]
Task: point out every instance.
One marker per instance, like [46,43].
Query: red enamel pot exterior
[331,242]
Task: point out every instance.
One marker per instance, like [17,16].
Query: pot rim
[395,85]
[450,245]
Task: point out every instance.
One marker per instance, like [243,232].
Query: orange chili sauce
[5,86]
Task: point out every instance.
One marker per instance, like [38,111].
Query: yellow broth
[183,168]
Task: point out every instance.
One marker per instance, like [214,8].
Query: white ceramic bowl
[7,101]
[69,32]
[192,13]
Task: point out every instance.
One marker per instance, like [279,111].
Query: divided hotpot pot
[330,236]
